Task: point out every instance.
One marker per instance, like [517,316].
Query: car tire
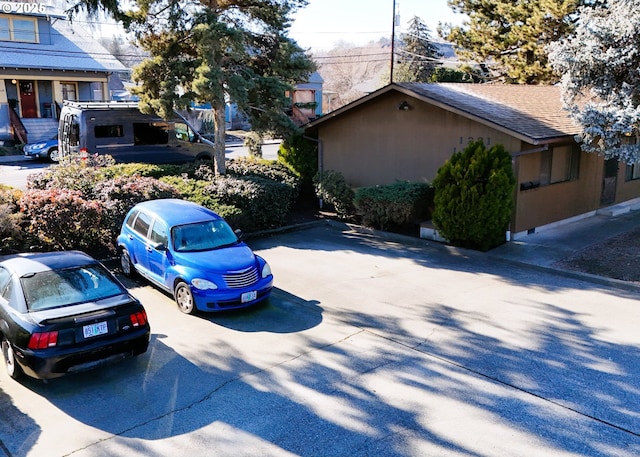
[53,155]
[184,298]
[10,363]
[125,263]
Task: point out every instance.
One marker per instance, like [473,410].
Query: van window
[108,131]
[184,133]
[150,133]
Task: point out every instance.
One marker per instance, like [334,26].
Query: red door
[28,99]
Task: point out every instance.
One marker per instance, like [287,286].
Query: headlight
[203,284]
[37,146]
[266,270]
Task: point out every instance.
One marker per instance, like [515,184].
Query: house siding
[373,142]
[547,204]
[377,143]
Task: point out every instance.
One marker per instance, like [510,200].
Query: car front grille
[240,279]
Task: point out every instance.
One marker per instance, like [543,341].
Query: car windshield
[56,288]
[203,236]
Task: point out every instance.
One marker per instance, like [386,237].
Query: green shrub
[263,203]
[118,195]
[136,169]
[267,169]
[301,155]
[195,190]
[253,142]
[332,188]
[474,197]
[10,219]
[73,172]
[394,205]
[63,219]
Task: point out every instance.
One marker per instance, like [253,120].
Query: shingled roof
[72,48]
[531,113]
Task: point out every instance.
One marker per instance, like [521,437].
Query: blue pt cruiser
[192,253]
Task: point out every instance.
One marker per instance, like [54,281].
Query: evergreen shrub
[63,219]
[474,197]
[301,155]
[263,203]
[394,205]
[119,194]
[332,188]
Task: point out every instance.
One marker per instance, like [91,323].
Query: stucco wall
[379,144]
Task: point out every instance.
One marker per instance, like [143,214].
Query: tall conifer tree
[215,51]
[510,36]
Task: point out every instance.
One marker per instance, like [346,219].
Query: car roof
[36,262]
[175,211]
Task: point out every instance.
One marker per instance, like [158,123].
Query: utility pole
[393,42]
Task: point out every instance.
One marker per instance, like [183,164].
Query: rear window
[70,286]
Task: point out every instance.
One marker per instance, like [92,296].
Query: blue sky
[322,23]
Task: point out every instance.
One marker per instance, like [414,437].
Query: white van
[122,131]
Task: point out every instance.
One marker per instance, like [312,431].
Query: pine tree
[213,51]
[418,56]
[510,36]
[601,81]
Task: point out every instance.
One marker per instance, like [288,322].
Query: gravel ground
[617,257]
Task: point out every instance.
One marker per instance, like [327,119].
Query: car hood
[232,258]
[41,317]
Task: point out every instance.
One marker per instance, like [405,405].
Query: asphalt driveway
[368,347]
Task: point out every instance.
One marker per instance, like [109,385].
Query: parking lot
[367,347]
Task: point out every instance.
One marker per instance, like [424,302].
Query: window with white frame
[23,29]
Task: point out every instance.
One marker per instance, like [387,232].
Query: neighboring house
[45,59]
[306,99]
[406,131]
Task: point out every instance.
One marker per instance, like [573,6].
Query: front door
[28,99]
[609,182]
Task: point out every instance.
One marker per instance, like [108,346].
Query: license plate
[249,296]
[95,329]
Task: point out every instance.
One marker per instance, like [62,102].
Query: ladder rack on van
[102,104]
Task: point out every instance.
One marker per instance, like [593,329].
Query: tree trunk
[219,139]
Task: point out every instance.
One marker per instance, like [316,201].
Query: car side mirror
[159,246]
[239,233]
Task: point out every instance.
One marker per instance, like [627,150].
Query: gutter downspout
[320,161]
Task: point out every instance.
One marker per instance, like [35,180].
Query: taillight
[138,319]
[43,340]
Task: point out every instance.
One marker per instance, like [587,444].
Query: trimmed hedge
[81,203]
[120,194]
[263,203]
[63,219]
[394,205]
[332,188]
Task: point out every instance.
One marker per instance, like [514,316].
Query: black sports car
[64,311]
